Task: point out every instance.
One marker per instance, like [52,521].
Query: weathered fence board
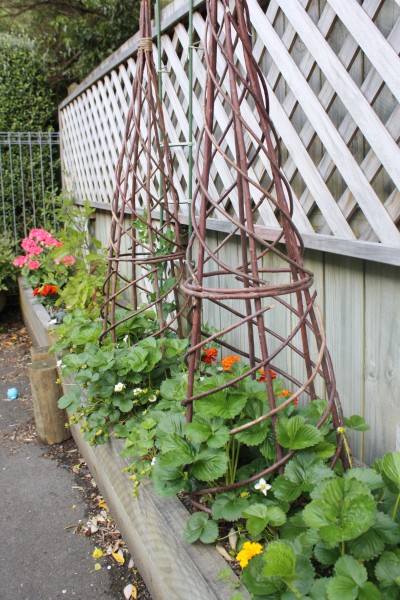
[382,353]
[345,325]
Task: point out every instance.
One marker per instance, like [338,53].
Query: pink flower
[39,234]
[34,264]
[20,261]
[31,247]
[52,242]
[57,261]
[68,260]
[43,237]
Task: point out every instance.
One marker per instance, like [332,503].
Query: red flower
[262,375]
[209,355]
[49,290]
[46,290]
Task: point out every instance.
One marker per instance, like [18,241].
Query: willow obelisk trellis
[145,258]
[245,290]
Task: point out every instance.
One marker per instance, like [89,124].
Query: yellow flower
[247,552]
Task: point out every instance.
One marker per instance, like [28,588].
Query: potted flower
[42,271]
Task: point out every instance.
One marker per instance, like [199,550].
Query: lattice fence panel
[333,74]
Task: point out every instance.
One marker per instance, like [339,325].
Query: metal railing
[29,180]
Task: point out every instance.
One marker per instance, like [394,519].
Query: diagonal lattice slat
[341,162]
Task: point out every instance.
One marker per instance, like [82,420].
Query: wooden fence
[333,74]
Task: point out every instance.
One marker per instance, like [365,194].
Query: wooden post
[50,420]
[42,353]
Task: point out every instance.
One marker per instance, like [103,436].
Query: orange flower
[228,361]
[209,355]
[36,291]
[262,375]
[48,290]
[287,393]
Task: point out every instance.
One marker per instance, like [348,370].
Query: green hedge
[26,104]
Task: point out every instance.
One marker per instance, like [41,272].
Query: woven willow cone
[272,322]
[145,256]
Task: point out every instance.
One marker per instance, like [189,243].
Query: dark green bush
[28,173]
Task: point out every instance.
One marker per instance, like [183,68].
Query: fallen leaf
[233,538]
[97,567]
[134,592]
[128,591]
[102,504]
[98,553]
[223,553]
[118,558]
[131,564]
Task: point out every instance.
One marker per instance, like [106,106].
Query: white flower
[153,461]
[53,322]
[137,391]
[201,378]
[118,387]
[59,364]
[125,339]
[153,398]
[220,368]
[263,486]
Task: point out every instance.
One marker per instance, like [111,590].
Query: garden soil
[52,516]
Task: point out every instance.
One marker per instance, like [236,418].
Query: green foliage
[349,581]
[387,572]
[229,506]
[200,527]
[259,516]
[26,102]
[7,271]
[295,433]
[73,37]
[83,288]
[344,510]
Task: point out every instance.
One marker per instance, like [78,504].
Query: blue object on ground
[12,393]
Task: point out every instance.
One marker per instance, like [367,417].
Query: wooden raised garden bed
[151,526]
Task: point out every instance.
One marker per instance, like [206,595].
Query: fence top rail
[29,137]
[170,15]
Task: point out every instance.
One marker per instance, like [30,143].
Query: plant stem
[236,461]
[232,450]
[396,506]
[293,589]
[343,550]
[348,452]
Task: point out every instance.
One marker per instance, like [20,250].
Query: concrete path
[41,557]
